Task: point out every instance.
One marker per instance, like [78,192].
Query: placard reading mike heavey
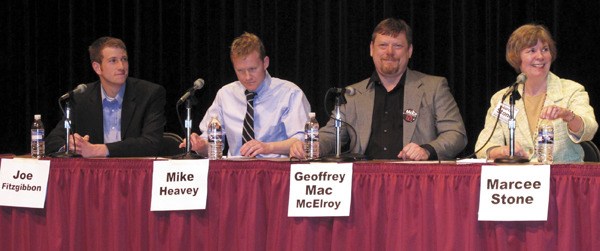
[179,185]
[320,189]
[24,182]
[514,193]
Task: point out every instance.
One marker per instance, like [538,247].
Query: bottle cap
[311,114]
[37,116]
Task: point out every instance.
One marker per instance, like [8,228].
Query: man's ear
[266,62]
[97,68]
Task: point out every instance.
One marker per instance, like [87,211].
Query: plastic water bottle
[545,142]
[215,139]
[37,137]
[311,137]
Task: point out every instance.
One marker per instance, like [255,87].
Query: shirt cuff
[431,150]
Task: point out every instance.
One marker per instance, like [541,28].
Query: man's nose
[390,50]
[247,75]
[120,64]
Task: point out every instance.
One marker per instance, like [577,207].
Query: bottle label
[37,135]
[312,135]
[545,136]
[215,136]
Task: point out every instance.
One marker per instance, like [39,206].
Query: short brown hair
[524,37]
[246,44]
[97,46]
[393,27]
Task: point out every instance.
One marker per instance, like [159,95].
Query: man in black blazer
[116,116]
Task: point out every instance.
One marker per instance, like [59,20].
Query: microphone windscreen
[521,78]
[198,84]
[80,88]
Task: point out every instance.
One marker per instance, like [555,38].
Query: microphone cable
[353,142]
[510,90]
[179,119]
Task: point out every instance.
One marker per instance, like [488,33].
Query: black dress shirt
[385,141]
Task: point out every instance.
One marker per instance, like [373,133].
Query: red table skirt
[104,204]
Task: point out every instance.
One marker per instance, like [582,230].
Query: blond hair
[245,44]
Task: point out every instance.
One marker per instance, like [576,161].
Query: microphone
[521,78]
[513,87]
[514,95]
[80,89]
[348,90]
[198,84]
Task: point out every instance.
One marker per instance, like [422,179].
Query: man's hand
[197,143]
[81,145]
[413,151]
[255,147]
[297,150]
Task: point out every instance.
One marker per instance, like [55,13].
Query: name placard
[514,193]
[179,185]
[504,112]
[320,190]
[24,182]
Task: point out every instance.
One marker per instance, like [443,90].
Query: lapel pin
[410,115]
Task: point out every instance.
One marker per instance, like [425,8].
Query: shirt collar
[119,96]
[376,80]
[263,87]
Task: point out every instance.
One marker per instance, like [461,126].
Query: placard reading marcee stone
[514,193]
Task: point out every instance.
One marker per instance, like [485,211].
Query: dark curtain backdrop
[316,44]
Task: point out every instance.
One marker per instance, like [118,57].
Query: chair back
[591,152]
[170,145]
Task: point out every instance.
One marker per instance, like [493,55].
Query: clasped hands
[411,151]
[81,145]
[250,149]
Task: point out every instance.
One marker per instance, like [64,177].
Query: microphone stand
[339,100]
[511,132]
[188,132]
[67,153]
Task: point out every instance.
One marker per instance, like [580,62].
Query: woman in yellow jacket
[530,51]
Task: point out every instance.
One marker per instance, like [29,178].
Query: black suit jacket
[142,120]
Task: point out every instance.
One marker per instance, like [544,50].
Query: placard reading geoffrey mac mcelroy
[24,182]
[514,193]
[320,189]
[179,185]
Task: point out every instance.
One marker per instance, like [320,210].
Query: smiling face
[530,49]
[390,54]
[114,67]
[536,60]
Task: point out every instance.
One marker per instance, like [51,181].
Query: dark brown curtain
[316,44]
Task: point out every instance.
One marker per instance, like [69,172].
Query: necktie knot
[249,95]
